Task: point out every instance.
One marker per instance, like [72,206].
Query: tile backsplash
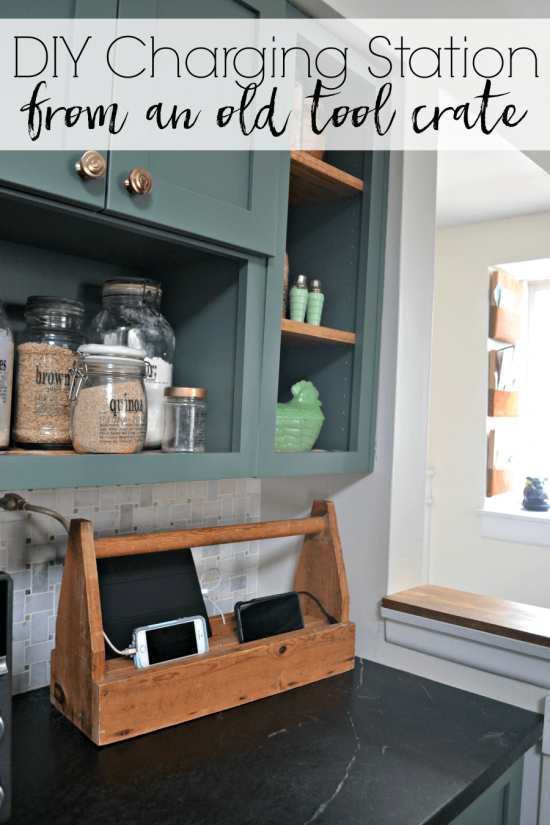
[33,546]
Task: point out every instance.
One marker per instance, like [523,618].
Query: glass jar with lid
[45,352]
[184,420]
[109,403]
[6,377]
[131,317]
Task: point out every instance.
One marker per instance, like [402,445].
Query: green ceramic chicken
[299,422]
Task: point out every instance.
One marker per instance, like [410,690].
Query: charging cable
[130,651]
[205,590]
[331,619]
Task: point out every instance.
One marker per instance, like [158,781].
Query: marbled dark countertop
[376,746]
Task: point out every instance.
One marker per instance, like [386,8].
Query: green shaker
[298,299]
[315,301]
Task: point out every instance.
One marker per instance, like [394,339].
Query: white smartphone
[168,641]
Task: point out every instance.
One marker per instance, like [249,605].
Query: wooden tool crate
[112,700]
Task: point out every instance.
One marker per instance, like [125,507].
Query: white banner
[274,84]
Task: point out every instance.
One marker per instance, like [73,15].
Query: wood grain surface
[224,637]
[78,658]
[498,616]
[508,283]
[314,181]
[205,536]
[503,404]
[112,701]
[504,326]
[296,334]
[500,481]
[134,703]
[321,569]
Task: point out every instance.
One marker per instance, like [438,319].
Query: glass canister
[109,403]
[131,317]
[6,377]
[184,420]
[45,352]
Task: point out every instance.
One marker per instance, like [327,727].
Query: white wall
[460,558]
[380,516]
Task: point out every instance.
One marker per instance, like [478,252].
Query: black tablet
[146,589]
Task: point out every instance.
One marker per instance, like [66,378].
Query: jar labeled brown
[109,404]
[45,352]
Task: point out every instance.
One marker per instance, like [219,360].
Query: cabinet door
[223,196]
[500,804]
[53,174]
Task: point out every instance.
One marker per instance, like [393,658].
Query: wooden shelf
[314,181]
[296,334]
[497,616]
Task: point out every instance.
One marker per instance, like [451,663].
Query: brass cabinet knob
[139,182]
[91,166]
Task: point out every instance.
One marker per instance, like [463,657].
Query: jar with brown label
[45,351]
[109,404]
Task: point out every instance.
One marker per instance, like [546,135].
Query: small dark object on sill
[534,495]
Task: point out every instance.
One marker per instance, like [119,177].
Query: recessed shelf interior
[44,251]
[323,242]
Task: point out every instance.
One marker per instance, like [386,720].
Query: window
[535,409]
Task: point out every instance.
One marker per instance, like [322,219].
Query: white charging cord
[205,590]
[130,651]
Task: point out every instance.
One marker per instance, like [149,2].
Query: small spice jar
[45,352]
[184,420]
[109,404]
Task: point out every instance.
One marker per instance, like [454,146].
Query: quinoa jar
[131,316]
[109,403]
[45,353]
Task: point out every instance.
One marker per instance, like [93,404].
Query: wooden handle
[204,536]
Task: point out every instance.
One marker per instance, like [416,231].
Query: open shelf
[296,334]
[212,299]
[314,181]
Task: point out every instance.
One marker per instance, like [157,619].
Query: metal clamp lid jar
[184,420]
[131,317]
[109,404]
[45,351]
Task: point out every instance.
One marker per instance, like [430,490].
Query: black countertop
[375,745]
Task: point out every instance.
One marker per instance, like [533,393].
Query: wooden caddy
[112,700]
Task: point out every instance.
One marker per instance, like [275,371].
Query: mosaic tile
[33,548]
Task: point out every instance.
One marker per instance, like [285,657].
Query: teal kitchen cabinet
[53,174]
[500,804]
[222,270]
[225,307]
[227,196]
[213,297]
[341,242]
[332,225]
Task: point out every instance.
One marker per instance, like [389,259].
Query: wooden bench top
[503,618]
